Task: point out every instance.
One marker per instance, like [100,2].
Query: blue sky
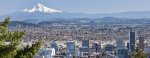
[80,6]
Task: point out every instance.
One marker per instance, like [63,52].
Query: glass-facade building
[120,43]
[132,40]
[54,45]
[85,43]
[85,46]
[122,53]
[84,49]
[70,48]
[109,47]
[96,47]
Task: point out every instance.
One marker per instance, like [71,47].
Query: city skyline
[74,29]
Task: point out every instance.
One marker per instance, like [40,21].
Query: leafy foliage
[13,39]
[139,54]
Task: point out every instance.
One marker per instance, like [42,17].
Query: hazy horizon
[78,6]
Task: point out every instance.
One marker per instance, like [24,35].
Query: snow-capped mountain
[41,8]
[42,13]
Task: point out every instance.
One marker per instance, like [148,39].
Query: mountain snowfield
[41,8]
[40,12]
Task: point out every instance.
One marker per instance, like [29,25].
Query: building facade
[132,40]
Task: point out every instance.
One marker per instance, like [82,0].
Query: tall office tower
[84,50]
[128,46]
[120,43]
[132,40]
[85,43]
[141,42]
[95,50]
[77,52]
[96,47]
[54,45]
[122,53]
[70,49]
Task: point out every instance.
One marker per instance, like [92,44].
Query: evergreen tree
[13,39]
[139,54]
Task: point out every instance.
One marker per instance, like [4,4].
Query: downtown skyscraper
[132,40]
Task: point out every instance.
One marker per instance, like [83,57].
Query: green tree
[13,39]
[139,54]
